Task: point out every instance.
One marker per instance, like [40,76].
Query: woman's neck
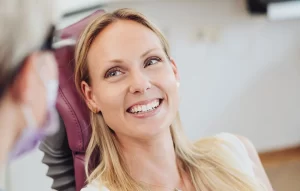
[154,161]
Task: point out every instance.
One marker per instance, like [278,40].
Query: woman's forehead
[123,39]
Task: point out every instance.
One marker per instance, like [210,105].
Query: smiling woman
[129,81]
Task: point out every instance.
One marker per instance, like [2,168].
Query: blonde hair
[209,164]
[24,25]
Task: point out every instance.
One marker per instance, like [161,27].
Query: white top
[243,160]
[94,187]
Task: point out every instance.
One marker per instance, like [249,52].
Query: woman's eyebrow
[116,61]
[148,51]
[119,61]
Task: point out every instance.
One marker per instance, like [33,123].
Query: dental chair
[71,107]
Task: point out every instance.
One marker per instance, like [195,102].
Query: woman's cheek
[166,77]
[110,94]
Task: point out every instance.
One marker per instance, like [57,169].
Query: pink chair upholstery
[71,107]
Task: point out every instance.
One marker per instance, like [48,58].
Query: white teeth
[149,107]
[153,104]
[144,108]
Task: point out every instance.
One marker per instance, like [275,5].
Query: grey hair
[24,25]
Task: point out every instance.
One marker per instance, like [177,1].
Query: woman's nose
[140,83]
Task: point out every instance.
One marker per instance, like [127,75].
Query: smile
[145,108]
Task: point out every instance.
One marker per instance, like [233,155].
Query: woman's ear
[89,97]
[174,68]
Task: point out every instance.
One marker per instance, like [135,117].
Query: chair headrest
[74,30]
[70,105]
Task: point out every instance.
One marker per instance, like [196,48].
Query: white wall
[239,73]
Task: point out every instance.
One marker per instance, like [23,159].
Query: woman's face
[133,83]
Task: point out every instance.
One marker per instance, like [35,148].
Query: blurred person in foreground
[28,76]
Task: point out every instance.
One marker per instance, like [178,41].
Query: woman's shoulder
[225,140]
[94,186]
[247,158]
[235,141]
[228,141]
[236,147]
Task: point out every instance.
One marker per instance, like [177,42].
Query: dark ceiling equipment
[260,6]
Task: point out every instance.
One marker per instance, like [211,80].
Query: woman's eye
[152,61]
[113,73]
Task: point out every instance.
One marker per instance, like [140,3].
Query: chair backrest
[70,105]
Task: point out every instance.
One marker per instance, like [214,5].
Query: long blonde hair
[209,164]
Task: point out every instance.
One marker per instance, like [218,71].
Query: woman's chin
[149,133]
[150,130]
